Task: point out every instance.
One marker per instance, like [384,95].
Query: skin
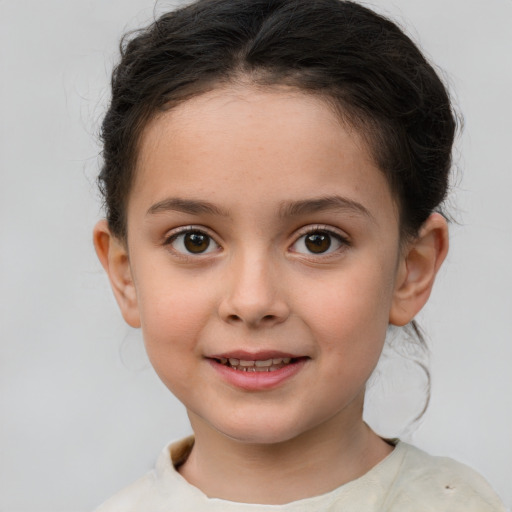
[262,159]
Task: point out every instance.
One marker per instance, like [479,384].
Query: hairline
[352,119]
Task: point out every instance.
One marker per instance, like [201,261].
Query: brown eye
[196,242]
[318,242]
[192,242]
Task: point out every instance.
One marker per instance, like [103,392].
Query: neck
[311,464]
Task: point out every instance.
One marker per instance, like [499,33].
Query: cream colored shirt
[407,480]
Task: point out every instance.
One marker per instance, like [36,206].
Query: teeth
[285,360]
[245,365]
[268,362]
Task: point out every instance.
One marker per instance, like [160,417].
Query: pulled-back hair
[361,63]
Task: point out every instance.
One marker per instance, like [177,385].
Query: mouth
[270,364]
[260,371]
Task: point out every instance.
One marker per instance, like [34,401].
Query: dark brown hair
[360,62]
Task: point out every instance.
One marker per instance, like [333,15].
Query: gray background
[81,412]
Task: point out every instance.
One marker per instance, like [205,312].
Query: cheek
[343,304]
[348,315]
[173,315]
[171,303]
[350,339]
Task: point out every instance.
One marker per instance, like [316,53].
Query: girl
[273,172]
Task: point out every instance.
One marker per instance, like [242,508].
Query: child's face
[259,228]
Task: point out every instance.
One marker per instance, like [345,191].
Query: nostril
[267,319]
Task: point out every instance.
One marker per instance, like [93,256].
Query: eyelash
[184,252]
[182,232]
[342,241]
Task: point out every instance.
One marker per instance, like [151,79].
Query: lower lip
[257,381]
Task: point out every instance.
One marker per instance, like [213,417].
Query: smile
[245,365]
[257,372]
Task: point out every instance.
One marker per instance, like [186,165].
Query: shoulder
[159,489]
[130,498]
[428,483]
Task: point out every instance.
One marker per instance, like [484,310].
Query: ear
[418,268]
[113,255]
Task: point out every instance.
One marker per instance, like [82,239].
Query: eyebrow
[287,209]
[329,203]
[191,206]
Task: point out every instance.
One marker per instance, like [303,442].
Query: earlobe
[113,255]
[418,268]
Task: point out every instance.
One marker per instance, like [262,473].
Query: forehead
[282,141]
[224,110]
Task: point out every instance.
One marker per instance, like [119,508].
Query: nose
[253,294]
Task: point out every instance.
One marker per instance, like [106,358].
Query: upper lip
[261,355]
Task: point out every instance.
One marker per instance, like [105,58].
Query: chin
[263,433]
